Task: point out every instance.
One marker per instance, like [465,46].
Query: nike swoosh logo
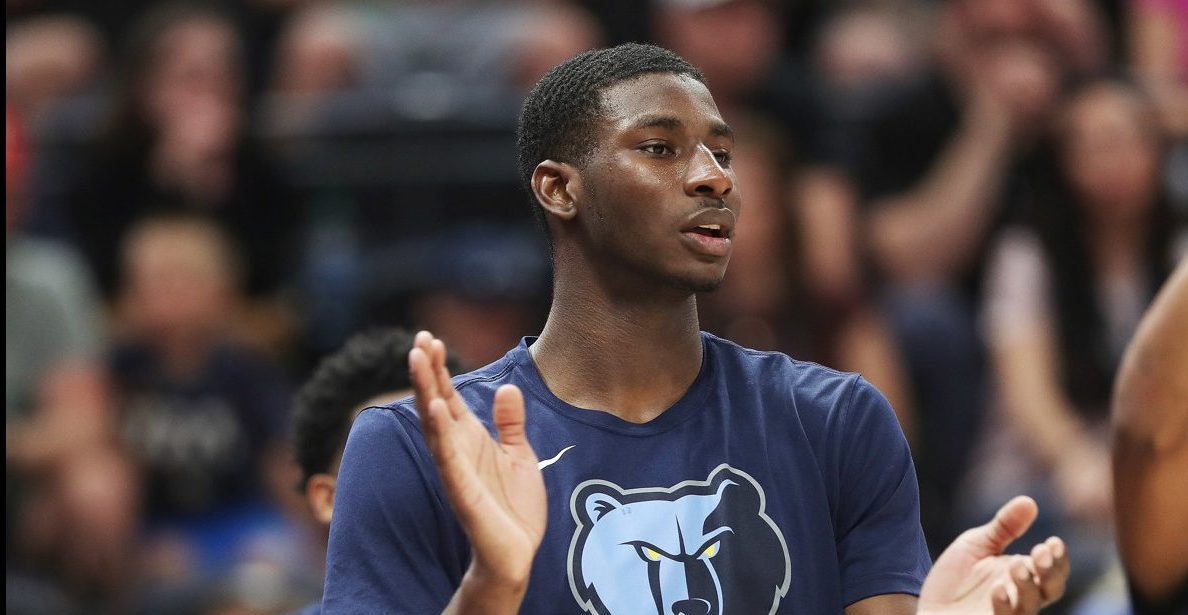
[548,462]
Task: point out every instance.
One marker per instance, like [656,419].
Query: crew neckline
[688,406]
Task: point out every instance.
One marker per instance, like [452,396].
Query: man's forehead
[659,95]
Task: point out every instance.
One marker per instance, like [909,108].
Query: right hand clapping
[495,487]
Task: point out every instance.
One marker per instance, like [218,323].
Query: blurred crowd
[969,201]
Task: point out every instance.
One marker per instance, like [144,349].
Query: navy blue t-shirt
[772,486]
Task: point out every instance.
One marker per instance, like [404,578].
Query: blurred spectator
[319,53]
[378,64]
[47,59]
[110,19]
[940,168]
[69,495]
[741,52]
[200,415]
[371,369]
[177,142]
[397,90]
[1159,55]
[935,164]
[1064,296]
[318,50]
[552,32]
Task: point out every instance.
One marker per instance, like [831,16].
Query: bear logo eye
[711,550]
[647,553]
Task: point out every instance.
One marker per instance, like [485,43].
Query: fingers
[437,357]
[437,424]
[1000,599]
[1019,592]
[424,384]
[1009,523]
[431,378]
[449,450]
[1051,568]
[1028,587]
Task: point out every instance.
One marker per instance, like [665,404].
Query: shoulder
[778,373]
[824,400]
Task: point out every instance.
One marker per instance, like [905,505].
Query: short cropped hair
[370,364]
[560,114]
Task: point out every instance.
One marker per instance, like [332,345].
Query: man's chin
[702,285]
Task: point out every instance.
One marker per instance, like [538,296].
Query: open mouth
[709,230]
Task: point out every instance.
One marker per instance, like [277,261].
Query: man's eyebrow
[668,122]
[722,129]
[658,121]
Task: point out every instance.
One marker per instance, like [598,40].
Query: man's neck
[631,356]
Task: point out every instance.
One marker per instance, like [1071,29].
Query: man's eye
[724,157]
[658,149]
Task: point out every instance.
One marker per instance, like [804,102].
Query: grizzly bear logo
[696,548]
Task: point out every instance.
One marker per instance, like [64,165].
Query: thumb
[1008,524]
[509,416]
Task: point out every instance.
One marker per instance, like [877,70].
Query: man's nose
[707,177]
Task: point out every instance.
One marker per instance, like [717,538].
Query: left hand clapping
[974,577]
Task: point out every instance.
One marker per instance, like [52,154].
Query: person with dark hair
[684,474]
[369,370]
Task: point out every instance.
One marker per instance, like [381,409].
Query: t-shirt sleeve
[880,544]
[395,545]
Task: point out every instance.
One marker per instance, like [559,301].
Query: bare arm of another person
[496,488]
[1150,415]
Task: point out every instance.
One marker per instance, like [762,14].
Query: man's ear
[319,493]
[556,186]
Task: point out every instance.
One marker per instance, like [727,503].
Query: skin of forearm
[1033,400]
[932,231]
